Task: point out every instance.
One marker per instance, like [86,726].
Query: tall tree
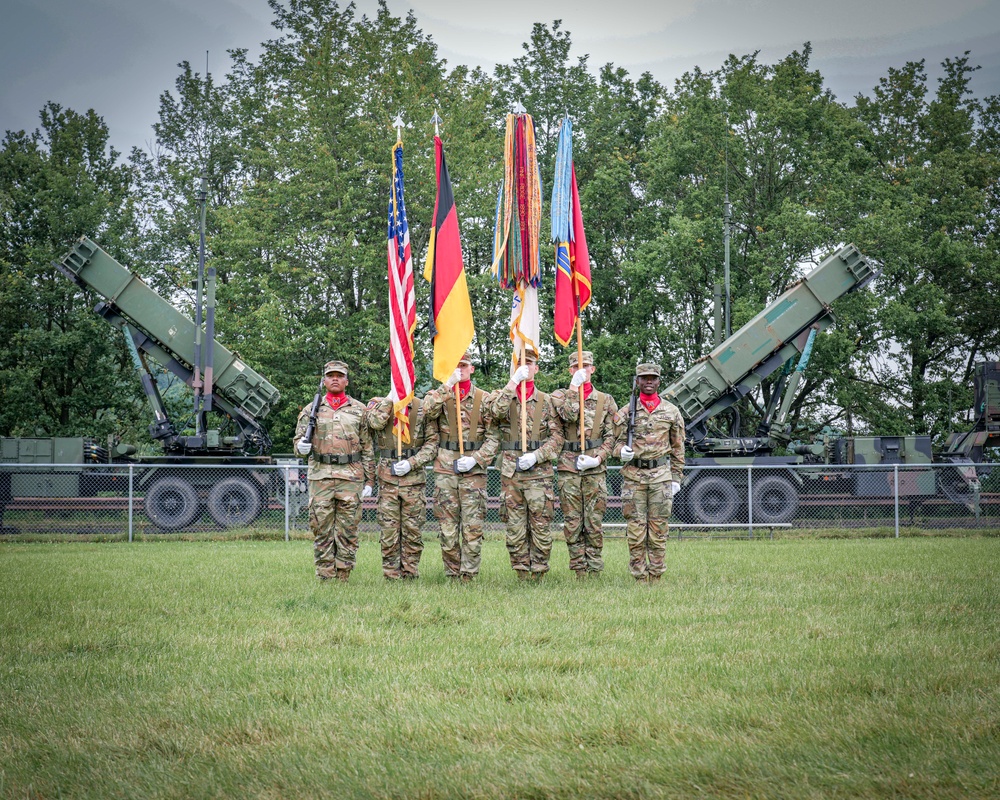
[785,150]
[932,224]
[62,370]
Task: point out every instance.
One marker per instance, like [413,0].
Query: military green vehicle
[227,391]
[708,393]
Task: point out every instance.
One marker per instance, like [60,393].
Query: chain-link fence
[741,501]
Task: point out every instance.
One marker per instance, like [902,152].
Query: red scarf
[464,387]
[527,392]
[587,389]
[650,402]
[335,401]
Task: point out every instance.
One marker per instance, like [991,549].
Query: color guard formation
[459,430]
[539,440]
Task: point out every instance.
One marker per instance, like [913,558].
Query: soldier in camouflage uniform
[460,477]
[526,481]
[341,473]
[651,475]
[402,485]
[583,488]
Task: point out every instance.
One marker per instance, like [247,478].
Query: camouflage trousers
[647,510]
[460,507]
[401,512]
[334,515]
[527,510]
[583,499]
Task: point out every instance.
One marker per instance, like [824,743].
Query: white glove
[587,462]
[527,461]
[454,378]
[521,374]
[675,487]
[465,463]
[400,468]
[366,492]
[579,378]
[627,454]
[303,447]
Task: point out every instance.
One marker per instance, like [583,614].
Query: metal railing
[140,499]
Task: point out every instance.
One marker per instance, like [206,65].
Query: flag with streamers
[402,301]
[451,323]
[572,259]
[518,228]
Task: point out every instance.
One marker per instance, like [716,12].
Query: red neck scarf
[464,387]
[650,402]
[525,391]
[588,388]
[335,401]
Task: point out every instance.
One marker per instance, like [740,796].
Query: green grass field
[792,668]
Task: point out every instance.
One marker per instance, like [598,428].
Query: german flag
[451,309]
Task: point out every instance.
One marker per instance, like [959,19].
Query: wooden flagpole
[524,403]
[458,421]
[579,361]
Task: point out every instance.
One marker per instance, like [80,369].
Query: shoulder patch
[619,418]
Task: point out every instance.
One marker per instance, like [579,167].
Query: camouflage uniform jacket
[600,435]
[657,435]
[419,452]
[339,433]
[481,443]
[545,436]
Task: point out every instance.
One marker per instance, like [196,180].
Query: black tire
[234,502]
[171,503]
[775,499]
[713,500]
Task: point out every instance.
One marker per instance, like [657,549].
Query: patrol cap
[466,359]
[647,369]
[530,355]
[335,366]
[588,358]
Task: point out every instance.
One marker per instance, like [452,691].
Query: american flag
[402,302]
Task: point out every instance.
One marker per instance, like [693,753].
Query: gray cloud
[117,56]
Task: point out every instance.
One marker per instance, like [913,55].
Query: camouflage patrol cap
[335,366]
[588,358]
[467,358]
[530,355]
[647,369]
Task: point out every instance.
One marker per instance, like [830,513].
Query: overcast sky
[117,56]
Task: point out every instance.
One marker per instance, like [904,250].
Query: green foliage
[62,371]
[295,146]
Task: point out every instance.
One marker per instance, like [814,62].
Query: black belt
[648,463]
[589,444]
[326,458]
[454,445]
[406,453]
[531,444]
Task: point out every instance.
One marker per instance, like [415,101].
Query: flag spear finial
[517,108]
[398,122]
[436,119]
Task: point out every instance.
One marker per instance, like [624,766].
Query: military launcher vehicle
[708,394]
[227,391]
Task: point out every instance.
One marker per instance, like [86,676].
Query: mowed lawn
[796,668]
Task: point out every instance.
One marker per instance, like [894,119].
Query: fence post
[750,499]
[131,468]
[288,494]
[895,481]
